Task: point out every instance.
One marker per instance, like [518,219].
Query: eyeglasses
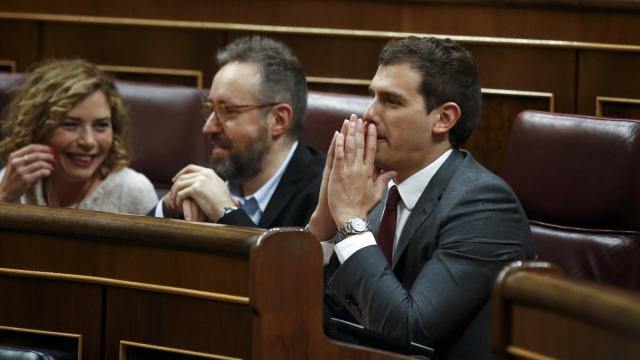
[226,112]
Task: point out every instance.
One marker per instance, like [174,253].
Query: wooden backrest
[130,287]
[539,313]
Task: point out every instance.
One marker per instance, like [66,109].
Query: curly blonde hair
[50,91]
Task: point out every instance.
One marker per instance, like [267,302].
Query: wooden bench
[126,287]
[540,314]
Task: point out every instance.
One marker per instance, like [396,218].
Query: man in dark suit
[257,100]
[418,266]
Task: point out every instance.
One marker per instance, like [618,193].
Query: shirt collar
[412,187]
[264,193]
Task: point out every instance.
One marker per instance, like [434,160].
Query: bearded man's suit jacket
[295,197]
[465,227]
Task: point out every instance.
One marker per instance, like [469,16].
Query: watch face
[358,224]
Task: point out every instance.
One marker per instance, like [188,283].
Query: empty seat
[579,181]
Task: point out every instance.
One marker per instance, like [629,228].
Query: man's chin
[222,167]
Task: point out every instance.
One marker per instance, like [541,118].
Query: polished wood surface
[586,22]
[538,313]
[193,288]
[618,107]
[605,74]
[7,66]
[489,141]
[51,306]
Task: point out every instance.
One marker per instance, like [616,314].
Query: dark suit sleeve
[473,237]
[238,218]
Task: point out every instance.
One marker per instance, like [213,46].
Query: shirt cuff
[353,243]
[327,250]
[159,212]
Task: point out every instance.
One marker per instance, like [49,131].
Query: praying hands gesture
[351,185]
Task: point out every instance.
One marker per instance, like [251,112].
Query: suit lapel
[288,185]
[428,201]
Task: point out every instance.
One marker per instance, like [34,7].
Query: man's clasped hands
[351,183]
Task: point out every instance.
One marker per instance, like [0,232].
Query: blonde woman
[65,143]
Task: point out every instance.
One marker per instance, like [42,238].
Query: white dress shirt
[410,191]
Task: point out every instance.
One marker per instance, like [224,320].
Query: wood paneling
[522,65]
[185,77]
[618,107]
[8,66]
[540,314]
[608,74]
[529,69]
[139,351]
[54,306]
[127,262]
[19,42]
[575,73]
[533,20]
[181,272]
[133,46]
[177,321]
[489,141]
[562,337]
[331,56]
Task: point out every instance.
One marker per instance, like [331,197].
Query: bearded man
[261,174]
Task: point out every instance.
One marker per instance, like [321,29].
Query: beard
[244,160]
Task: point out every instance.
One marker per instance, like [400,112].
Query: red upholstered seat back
[167,123]
[325,114]
[579,181]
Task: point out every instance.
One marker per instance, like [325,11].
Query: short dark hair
[282,77]
[448,74]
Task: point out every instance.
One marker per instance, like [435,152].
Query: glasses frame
[229,111]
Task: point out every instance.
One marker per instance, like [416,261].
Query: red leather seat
[325,114]
[578,178]
[167,122]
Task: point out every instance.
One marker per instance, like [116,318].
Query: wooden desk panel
[173,285]
[56,307]
[179,322]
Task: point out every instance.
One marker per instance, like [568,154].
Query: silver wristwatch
[353,226]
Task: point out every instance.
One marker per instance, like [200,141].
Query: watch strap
[348,228]
[227,210]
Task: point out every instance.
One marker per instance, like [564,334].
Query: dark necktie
[387,229]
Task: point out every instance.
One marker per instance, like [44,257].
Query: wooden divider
[618,107]
[131,286]
[336,59]
[7,66]
[540,314]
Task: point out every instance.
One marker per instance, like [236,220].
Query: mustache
[219,141]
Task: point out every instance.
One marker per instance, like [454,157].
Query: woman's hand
[24,167]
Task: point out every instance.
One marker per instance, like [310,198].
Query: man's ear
[449,113]
[282,115]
